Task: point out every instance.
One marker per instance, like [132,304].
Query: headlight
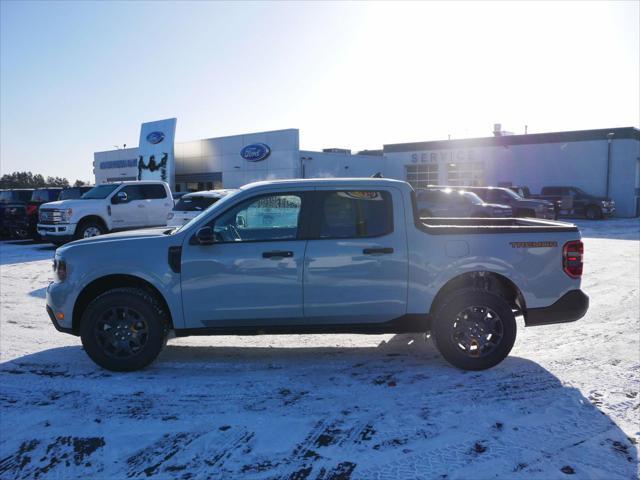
[60,269]
[65,215]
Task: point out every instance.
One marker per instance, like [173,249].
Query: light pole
[609,140]
[302,166]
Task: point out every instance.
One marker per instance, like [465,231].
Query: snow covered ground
[565,404]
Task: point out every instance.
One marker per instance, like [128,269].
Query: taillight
[572,253]
[32,209]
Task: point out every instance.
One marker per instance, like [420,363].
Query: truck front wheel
[474,329]
[88,229]
[594,212]
[123,329]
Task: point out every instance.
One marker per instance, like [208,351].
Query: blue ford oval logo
[255,152]
[155,137]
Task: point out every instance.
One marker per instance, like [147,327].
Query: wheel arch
[482,280]
[109,282]
[95,218]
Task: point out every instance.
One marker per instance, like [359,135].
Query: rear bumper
[570,307]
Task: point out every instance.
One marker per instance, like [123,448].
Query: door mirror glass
[120,197]
[204,236]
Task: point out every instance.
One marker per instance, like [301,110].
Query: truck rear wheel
[123,329]
[474,329]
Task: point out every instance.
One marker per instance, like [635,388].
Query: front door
[356,260]
[252,274]
[132,212]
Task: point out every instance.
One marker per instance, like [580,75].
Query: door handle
[377,251]
[140,205]
[277,254]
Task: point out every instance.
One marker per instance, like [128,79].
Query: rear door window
[354,214]
[194,204]
[153,192]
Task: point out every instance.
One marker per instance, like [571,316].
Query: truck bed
[452,226]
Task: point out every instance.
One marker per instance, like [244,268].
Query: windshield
[472,197]
[99,192]
[44,195]
[15,196]
[194,204]
[69,193]
[511,193]
[219,204]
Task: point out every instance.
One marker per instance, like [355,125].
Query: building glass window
[422,175]
[467,174]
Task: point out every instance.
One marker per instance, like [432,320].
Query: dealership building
[601,162]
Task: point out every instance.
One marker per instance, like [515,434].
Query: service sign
[255,152]
[155,151]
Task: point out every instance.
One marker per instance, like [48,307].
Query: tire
[88,229]
[526,213]
[593,212]
[449,324]
[126,343]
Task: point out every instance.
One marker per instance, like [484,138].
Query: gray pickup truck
[318,256]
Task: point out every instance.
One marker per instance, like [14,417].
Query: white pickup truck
[319,256]
[109,207]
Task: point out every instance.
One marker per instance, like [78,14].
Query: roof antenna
[377,175]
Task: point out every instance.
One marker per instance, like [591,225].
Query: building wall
[326,164]
[582,164]
[115,165]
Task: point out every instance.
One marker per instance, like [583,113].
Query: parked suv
[576,201]
[11,197]
[434,202]
[106,208]
[21,218]
[191,205]
[73,192]
[521,207]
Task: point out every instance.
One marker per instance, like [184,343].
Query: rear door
[356,259]
[157,204]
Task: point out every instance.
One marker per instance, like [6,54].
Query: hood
[156,232]
[532,202]
[496,205]
[73,203]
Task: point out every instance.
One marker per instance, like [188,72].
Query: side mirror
[205,236]
[120,197]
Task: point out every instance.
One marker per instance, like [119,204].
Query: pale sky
[79,77]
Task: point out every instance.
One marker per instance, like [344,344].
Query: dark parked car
[575,201]
[73,192]
[11,197]
[21,219]
[522,207]
[457,203]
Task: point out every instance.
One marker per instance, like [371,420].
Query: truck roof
[133,182]
[329,182]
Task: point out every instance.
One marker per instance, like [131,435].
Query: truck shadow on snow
[392,410]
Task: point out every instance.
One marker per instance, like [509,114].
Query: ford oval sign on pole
[255,152]
[155,137]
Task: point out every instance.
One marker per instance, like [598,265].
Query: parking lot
[335,406]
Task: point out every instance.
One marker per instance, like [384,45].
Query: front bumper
[608,211]
[59,301]
[57,233]
[572,306]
